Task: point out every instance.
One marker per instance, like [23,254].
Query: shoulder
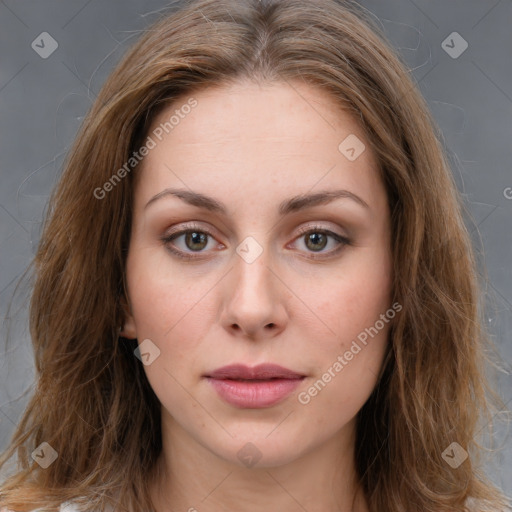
[474,505]
[67,506]
[72,506]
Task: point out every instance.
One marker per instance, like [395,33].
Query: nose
[254,305]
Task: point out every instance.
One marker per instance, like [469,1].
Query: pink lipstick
[254,388]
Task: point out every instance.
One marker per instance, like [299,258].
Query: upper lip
[259,372]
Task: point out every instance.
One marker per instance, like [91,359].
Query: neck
[193,479]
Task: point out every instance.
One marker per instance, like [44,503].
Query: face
[235,259]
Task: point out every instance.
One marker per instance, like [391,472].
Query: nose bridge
[252,279]
[252,301]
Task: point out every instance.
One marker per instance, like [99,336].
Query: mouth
[259,387]
[264,371]
[257,380]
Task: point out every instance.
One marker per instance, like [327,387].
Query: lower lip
[255,394]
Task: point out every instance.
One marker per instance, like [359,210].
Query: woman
[254,287]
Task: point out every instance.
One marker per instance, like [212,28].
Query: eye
[195,239]
[317,238]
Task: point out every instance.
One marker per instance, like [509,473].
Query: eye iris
[196,240]
[193,236]
[314,237]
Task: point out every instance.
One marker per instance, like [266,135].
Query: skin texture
[251,147]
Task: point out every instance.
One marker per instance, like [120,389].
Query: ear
[128,329]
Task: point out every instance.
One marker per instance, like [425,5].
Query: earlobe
[128,329]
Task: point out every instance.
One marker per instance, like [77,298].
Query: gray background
[43,101]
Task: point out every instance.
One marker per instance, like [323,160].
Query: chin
[259,449]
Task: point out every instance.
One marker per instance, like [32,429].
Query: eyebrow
[294,204]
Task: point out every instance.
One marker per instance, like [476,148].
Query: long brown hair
[93,404]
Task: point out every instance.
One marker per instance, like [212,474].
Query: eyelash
[167,239]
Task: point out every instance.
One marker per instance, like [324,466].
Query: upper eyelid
[341,240]
[190,226]
[341,243]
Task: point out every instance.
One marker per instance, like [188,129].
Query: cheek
[352,304]
[167,307]
[346,376]
[171,312]
[357,310]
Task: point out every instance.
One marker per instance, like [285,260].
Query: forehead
[284,135]
[249,109]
